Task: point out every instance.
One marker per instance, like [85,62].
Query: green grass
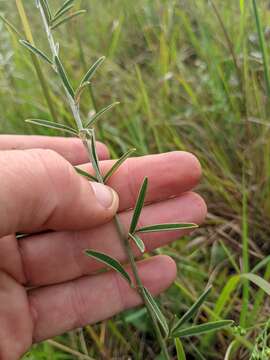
[189,76]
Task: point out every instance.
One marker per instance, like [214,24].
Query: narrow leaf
[110,262]
[46,2]
[67,18]
[117,164]
[91,146]
[94,153]
[61,13]
[166,227]
[156,310]
[179,349]
[36,51]
[85,174]
[92,70]
[197,330]
[62,73]
[138,206]
[100,113]
[259,281]
[52,125]
[138,241]
[66,4]
[192,311]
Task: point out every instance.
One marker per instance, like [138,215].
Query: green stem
[139,284]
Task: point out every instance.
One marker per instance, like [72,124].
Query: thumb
[40,190]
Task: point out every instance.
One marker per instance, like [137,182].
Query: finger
[41,190]
[71,149]
[58,257]
[63,307]
[16,326]
[169,174]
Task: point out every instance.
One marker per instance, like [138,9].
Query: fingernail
[105,195]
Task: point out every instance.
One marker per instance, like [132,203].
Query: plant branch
[88,138]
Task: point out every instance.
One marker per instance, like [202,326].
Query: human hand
[47,284]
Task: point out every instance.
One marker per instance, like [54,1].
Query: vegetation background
[190,75]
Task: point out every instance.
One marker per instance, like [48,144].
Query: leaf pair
[59,18]
[110,172]
[55,24]
[133,230]
[84,82]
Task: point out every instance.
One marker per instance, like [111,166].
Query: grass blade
[262,46]
[52,125]
[66,4]
[225,295]
[245,255]
[10,25]
[192,311]
[138,241]
[230,350]
[117,164]
[35,51]
[156,310]
[62,73]
[261,264]
[90,73]
[110,262]
[179,349]
[85,174]
[100,113]
[138,206]
[259,281]
[197,330]
[166,227]
[67,18]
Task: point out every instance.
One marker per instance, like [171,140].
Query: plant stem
[83,135]
[74,107]
[139,284]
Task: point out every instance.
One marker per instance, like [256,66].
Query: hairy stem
[54,49]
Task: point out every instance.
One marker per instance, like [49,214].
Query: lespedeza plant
[85,130]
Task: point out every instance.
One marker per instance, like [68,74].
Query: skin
[47,285]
